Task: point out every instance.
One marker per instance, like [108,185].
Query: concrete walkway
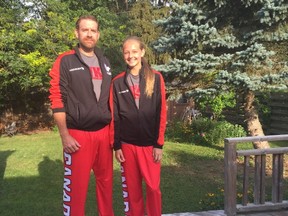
[206,213]
[221,213]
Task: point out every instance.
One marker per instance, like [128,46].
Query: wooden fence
[175,110]
[259,203]
[279,114]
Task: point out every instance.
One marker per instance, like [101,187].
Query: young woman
[138,104]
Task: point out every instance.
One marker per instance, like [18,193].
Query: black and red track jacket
[144,126]
[72,91]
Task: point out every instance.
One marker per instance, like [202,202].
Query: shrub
[214,132]
[177,131]
[203,131]
[216,103]
[222,130]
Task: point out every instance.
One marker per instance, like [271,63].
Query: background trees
[215,47]
[32,34]
[141,19]
[22,66]
[223,46]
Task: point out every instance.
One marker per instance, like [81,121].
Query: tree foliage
[141,17]
[22,67]
[222,46]
[33,33]
[207,39]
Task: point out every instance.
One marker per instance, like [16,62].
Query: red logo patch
[135,91]
[96,73]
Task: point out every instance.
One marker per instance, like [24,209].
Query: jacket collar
[97,51]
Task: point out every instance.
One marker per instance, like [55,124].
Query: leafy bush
[203,131]
[214,132]
[177,131]
[216,103]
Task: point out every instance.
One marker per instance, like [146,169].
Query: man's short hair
[89,17]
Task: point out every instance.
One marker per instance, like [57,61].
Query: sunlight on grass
[26,151]
[31,170]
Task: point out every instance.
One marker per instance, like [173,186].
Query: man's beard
[87,46]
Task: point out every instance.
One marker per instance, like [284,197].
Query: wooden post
[257,180]
[230,178]
[277,186]
[263,181]
[246,181]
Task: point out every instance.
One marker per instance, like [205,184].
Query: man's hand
[70,145]
[119,156]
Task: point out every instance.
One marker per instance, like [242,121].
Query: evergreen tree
[223,45]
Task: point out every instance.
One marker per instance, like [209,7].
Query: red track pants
[139,165]
[95,154]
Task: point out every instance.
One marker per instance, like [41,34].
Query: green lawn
[31,176]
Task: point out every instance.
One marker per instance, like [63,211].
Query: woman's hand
[157,155]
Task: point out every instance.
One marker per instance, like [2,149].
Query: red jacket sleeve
[163,113]
[58,85]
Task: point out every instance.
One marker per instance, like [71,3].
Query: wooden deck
[221,213]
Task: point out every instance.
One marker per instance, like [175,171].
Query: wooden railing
[259,203]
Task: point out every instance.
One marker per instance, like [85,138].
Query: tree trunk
[254,125]
[117,5]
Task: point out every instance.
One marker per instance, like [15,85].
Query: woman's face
[132,54]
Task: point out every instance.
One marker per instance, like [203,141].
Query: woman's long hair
[148,73]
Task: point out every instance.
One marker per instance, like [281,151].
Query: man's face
[87,34]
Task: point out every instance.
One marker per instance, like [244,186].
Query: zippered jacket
[72,91]
[144,126]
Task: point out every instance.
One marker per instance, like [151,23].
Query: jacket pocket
[73,110]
